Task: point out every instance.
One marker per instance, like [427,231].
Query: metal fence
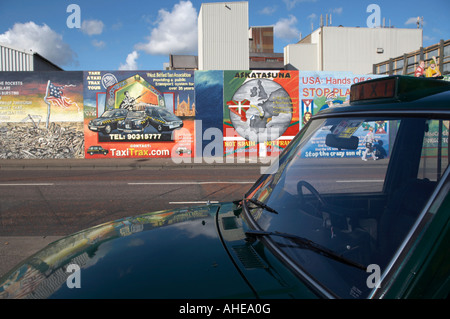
[407,64]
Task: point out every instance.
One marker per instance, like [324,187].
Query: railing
[407,64]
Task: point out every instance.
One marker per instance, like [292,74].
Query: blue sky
[140,34]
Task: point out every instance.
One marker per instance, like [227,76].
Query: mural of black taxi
[96,149]
[138,119]
[162,120]
[135,122]
[107,122]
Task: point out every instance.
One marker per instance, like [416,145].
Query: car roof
[405,94]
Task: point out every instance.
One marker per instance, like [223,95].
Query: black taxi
[96,149]
[135,122]
[107,122]
[330,219]
[163,120]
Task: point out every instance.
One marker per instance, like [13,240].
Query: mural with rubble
[41,115]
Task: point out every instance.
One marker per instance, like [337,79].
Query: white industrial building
[13,59]
[350,48]
[223,42]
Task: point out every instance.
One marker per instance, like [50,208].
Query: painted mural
[321,90]
[41,115]
[260,113]
[149,114]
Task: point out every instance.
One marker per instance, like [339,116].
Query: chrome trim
[372,113]
[438,195]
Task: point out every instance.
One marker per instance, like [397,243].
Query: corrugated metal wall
[15,60]
[223,36]
[351,49]
[357,49]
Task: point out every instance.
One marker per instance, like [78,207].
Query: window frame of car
[410,256]
[400,257]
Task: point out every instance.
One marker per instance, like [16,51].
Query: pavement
[15,249]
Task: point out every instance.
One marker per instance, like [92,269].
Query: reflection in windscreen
[108,114]
[339,168]
[354,186]
[136,114]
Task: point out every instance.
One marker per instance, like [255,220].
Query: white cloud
[117,26]
[268,10]
[413,20]
[290,4]
[312,16]
[92,27]
[337,10]
[40,39]
[285,28]
[130,62]
[98,43]
[175,33]
[428,38]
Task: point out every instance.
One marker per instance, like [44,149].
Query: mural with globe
[260,107]
[263,110]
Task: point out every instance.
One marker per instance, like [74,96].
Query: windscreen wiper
[308,244]
[261,205]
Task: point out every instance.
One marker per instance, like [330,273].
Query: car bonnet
[167,254]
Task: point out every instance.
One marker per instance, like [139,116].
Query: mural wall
[149,114]
[260,112]
[41,115]
[321,90]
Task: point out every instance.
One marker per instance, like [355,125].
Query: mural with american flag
[42,112]
[56,96]
[33,93]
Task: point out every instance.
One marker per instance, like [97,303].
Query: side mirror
[342,143]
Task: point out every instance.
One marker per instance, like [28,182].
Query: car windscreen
[162,112]
[108,113]
[135,114]
[355,186]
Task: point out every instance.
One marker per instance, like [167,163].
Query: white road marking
[188,183]
[362,181]
[195,202]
